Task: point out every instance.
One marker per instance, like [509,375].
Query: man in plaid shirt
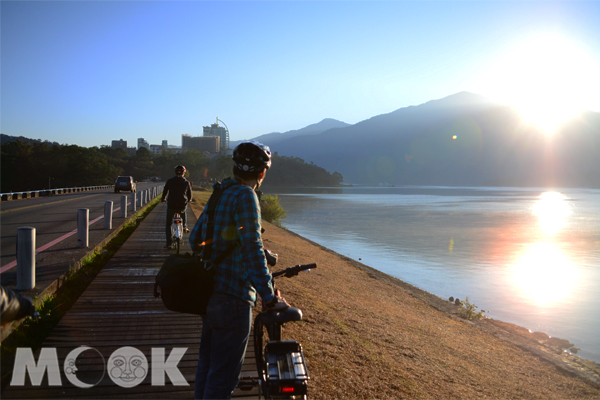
[228,320]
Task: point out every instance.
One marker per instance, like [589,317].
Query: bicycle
[177,231]
[281,367]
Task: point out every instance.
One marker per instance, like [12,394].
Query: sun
[547,78]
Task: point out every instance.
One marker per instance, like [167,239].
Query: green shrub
[468,311]
[271,210]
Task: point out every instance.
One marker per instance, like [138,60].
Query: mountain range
[461,140]
[274,138]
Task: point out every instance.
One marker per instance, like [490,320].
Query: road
[54,217]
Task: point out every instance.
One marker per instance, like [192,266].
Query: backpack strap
[210,229]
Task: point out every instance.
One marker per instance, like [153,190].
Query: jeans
[225,332]
[170,213]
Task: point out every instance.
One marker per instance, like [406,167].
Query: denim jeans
[170,213]
[225,332]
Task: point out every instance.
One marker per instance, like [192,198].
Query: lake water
[525,255]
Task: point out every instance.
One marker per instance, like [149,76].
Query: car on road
[125,183]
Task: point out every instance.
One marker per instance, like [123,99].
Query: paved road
[55,217]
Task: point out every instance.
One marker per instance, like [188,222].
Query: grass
[32,332]
[467,311]
[201,197]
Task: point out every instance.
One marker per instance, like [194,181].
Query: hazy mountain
[274,138]
[463,139]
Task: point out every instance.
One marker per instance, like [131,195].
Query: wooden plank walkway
[119,309]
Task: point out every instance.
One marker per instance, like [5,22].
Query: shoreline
[366,334]
[538,343]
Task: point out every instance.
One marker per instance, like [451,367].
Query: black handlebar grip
[293,271]
[306,266]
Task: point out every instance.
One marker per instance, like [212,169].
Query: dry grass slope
[367,335]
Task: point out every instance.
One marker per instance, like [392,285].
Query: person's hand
[277,304]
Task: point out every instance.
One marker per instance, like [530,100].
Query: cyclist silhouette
[177,194]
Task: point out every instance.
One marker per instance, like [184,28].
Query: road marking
[12,264]
[46,204]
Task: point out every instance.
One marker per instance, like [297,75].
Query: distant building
[119,144]
[220,131]
[131,151]
[210,144]
[175,149]
[143,143]
[156,148]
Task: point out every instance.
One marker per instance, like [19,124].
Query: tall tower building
[220,131]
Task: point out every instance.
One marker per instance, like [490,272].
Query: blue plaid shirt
[237,215]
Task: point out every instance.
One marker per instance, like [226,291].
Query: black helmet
[252,156]
[180,170]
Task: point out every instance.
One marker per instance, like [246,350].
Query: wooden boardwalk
[118,309]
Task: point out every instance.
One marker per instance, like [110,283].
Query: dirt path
[368,335]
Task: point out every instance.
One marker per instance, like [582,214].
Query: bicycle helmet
[180,170]
[252,156]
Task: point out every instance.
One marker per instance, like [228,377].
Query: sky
[89,72]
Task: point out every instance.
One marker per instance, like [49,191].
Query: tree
[143,154]
[270,209]
[220,168]
[294,171]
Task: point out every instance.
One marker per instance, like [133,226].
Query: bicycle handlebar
[293,271]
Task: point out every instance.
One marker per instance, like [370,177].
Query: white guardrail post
[83,227]
[25,258]
[133,201]
[124,206]
[108,210]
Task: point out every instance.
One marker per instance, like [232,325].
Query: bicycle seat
[280,317]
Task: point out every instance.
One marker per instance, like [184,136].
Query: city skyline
[87,73]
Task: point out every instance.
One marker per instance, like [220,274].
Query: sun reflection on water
[544,275]
[552,211]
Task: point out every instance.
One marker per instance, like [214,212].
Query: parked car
[125,183]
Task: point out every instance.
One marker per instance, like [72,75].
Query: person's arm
[165,192]
[190,194]
[248,222]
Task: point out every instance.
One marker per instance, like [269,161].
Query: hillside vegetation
[34,165]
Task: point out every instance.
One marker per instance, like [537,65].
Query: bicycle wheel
[173,235]
[260,338]
[178,244]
